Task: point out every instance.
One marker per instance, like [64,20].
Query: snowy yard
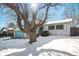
[45,46]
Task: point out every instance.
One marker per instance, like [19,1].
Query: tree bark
[32,37]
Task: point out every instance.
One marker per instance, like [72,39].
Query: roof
[58,22]
[10,28]
[17,29]
[3,29]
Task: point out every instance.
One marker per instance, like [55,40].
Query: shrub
[45,33]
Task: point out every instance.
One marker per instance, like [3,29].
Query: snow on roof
[17,29]
[4,29]
[10,29]
[57,22]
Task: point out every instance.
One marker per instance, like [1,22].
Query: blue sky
[4,18]
[55,13]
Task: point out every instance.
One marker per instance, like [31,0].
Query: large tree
[27,21]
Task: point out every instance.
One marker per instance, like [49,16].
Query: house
[60,28]
[7,32]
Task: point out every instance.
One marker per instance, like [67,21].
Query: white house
[60,28]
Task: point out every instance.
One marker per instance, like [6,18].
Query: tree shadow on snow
[49,52]
[32,49]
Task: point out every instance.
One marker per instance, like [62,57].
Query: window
[51,27]
[59,26]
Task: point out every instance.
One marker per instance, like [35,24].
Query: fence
[74,31]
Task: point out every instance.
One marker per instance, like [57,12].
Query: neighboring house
[60,28]
[7,32]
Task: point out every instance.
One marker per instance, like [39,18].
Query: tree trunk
[32,37]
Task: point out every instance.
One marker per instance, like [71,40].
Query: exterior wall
[10,33]
[45,27]
[19,34]
[60,32]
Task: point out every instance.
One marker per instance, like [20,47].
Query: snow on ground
[45,46]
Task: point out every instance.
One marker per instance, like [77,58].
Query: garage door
[19,34]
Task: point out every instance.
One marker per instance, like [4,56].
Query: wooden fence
[74,31]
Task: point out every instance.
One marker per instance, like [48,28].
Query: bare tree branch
[19,24]
[46,14]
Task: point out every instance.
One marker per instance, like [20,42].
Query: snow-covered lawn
[45,46]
